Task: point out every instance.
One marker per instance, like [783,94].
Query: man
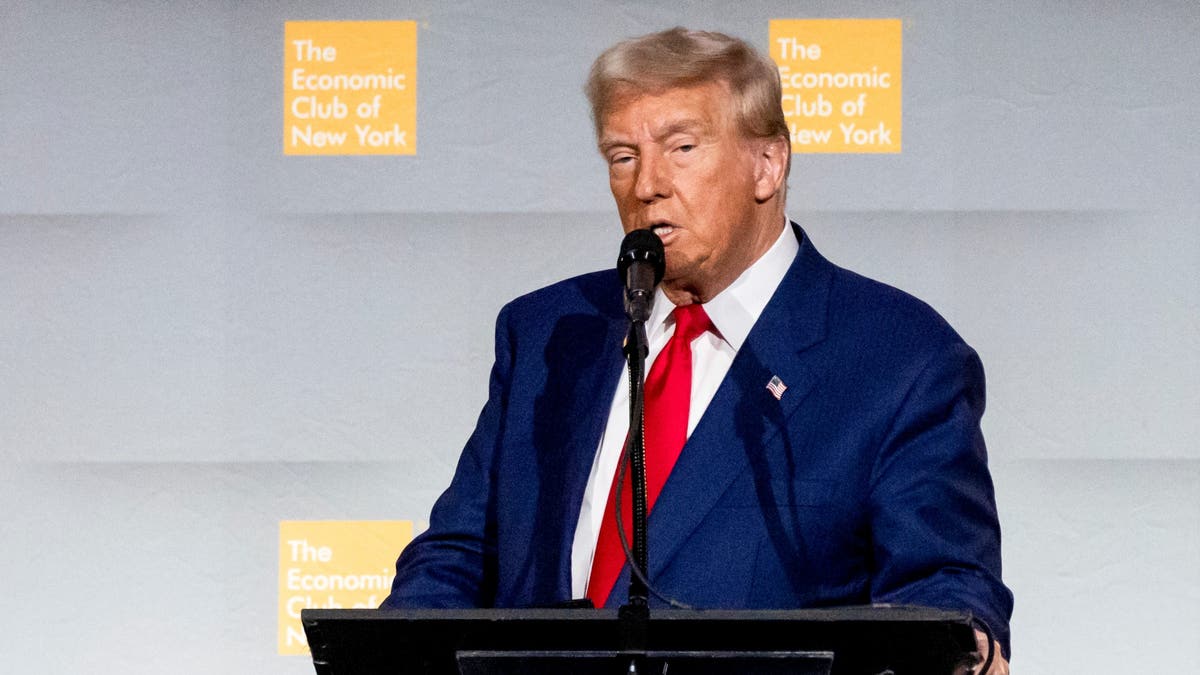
[833,454]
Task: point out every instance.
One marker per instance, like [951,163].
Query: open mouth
[662,229]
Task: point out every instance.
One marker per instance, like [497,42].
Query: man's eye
[687,147]
[621,159]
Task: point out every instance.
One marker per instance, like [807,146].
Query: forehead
[700,107]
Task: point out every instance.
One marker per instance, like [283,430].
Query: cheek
[622,191]
[716,227]
[627,215]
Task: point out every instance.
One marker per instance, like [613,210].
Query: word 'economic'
[348,81]
[872,79]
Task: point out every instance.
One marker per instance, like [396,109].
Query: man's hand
[999,665]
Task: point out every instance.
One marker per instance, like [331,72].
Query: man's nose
[653,179]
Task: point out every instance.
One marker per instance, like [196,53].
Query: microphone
[641,264]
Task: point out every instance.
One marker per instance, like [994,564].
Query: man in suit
[833,454]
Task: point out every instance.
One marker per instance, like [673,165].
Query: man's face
[679,165]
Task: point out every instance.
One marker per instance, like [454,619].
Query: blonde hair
[679,58]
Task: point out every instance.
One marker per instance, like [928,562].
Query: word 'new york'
[851,135]
[367,136]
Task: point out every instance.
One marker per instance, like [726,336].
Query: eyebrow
[683,126]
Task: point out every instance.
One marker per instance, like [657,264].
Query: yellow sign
[332,564]
[350,88]
[841,83]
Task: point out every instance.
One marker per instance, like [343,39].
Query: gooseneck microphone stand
[641,264]
[634,616]
[636,349]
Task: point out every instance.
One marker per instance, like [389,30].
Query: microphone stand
[640,265]
[634,616]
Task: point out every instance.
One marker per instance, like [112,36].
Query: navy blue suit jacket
[866,482]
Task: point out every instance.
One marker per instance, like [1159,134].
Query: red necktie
[667,402]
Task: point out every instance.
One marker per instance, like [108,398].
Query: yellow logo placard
[334,564]
[841,83]
[350,88]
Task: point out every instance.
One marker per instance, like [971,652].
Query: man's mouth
[662,229]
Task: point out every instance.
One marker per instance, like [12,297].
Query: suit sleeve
[934,523]
[453,563]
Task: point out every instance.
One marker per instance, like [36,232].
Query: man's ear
[770,167]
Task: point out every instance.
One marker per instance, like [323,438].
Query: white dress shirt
[733,313]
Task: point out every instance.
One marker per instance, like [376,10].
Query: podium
[900,640]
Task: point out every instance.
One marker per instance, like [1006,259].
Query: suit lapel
[744,416]
[571,418]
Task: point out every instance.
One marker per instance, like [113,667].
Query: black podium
[843,641]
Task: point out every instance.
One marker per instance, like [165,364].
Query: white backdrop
[202,337]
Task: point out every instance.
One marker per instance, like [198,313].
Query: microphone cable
[633,566]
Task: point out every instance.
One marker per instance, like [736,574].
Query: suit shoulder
[873,308]
[596,292]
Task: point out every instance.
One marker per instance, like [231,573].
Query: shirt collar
[734,310]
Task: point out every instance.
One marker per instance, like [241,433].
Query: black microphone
[641,265]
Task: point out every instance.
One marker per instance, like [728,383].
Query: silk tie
[667,402]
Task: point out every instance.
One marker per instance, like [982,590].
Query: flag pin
[776,387]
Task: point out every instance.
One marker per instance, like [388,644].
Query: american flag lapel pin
[776,387]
